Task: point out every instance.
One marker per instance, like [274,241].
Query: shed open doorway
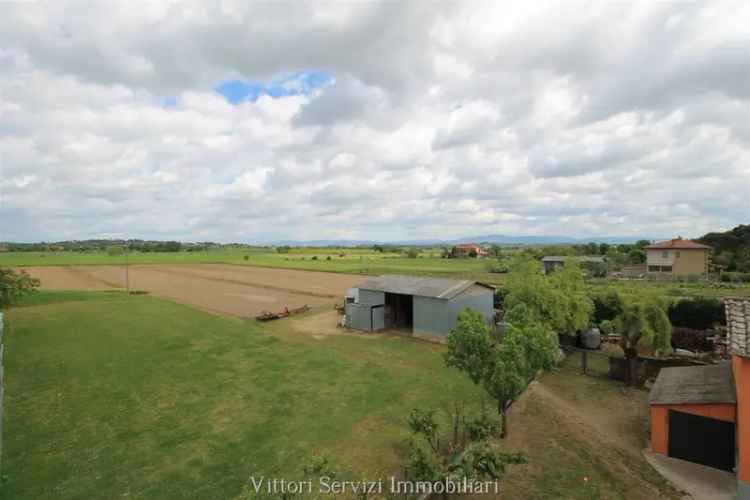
[399,311]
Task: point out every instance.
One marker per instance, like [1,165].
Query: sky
[234,121]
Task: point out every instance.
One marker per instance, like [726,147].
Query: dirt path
[560,431]
[605,427]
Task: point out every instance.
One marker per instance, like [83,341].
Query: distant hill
[495,239]
[731,249]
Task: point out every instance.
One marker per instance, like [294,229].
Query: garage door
[701,440]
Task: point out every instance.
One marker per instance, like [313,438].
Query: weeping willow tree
[643,323]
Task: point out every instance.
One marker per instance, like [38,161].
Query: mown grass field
[110,396]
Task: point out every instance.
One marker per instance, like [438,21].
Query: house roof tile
[677,244]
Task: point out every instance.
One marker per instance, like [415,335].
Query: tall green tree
[559,301]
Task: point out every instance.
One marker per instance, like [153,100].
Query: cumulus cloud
[422,119]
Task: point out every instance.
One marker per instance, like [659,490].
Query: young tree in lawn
[470,346]
[540,344]
[504,369]
[642,323]
[15,284]
[506,377]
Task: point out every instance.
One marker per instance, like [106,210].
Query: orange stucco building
[702,413]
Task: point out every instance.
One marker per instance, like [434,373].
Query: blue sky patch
[169,101]
[300,83]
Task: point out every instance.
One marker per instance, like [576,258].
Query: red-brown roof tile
[677,244]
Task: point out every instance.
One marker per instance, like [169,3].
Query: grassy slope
[139,396]
[583,437]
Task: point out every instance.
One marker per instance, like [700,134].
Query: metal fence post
[585,361]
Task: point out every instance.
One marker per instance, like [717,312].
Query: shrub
[500,294]
[314,257]
[607,306]
[424,465]
[246,257]
[692,340]
[735,277]
[412,254]
[482,427]
[698,313]
[15,284]
[328,258]
[606,327]
[497,267]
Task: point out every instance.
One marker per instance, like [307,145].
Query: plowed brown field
[235,290]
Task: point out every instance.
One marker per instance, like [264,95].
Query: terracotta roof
[468,245]
[678,244]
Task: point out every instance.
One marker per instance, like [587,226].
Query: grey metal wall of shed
[438,317]
[378,318]
[359,316]
[371,297]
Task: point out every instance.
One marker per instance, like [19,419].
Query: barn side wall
[371,297]
[359,316]
[437,317]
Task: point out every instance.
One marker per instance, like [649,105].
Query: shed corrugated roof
[439,288]
[694,385]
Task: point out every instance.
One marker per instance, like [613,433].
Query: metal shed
[426,307]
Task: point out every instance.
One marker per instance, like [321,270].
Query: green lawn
[115,396]
[110,396]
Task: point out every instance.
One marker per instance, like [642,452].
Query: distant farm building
[552,262]
[468,250]
[424,307]
[678,257]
